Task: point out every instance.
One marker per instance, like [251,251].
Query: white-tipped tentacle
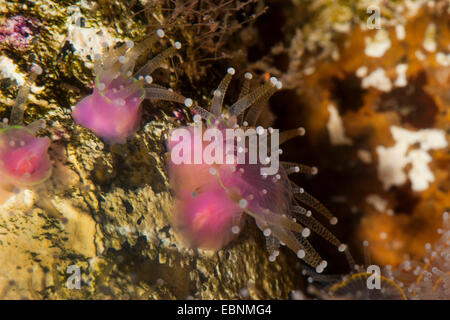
[19,106]
[155,63]
[219,93]
[160,93]
[244,103]
[37,125]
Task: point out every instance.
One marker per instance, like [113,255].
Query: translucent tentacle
[108,65]
[205,114]
[290,134]
[272,244]
[108,58]
[315,225]
[244,103]
[301,246]
[309,200]
[292,167]
[156,62]
[138,50]
[219,94]
[163,94]
[283,221]
[244,91]
[131,89]
[4,123]
[111,55]
[253,114]
[256,109]
[245,85]
[19,106]
[257,105]
[37,125]
[273,219]
[312,256]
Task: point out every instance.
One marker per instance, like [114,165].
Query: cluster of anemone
[213,198]
[24,159]
[427,279]
[359,285]
[113,110]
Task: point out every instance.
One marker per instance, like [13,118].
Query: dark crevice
[333,178]
[348,93]
[406,200]
[414,105]
[270,27]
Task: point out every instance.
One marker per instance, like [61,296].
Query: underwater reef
[91,206]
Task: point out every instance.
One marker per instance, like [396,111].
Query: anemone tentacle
[273,201]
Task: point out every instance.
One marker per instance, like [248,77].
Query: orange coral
[368,110]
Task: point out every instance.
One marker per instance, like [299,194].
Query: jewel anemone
[213,197]
[24,159]
[113,110]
